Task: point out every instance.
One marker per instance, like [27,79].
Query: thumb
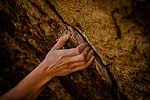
[61,41]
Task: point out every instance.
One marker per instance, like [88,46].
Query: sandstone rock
[117,30]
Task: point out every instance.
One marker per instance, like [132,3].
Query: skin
[58,62]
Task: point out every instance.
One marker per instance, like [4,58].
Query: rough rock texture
[27,33]
[118,30]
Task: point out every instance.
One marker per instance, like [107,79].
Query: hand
[58,62]
[61,62]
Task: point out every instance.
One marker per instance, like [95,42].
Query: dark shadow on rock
[6,23]
[141,16]
[6,80]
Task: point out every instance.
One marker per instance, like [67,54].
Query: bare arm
[58,62]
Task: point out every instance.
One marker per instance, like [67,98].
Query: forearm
[30,87]
[56,63]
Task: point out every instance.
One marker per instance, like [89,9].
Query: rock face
[119,32]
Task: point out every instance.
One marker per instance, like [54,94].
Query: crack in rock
[101,67]
[118,32]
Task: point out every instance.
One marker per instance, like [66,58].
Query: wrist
[44,70]
[35,82]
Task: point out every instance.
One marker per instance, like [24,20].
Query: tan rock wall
[118,30]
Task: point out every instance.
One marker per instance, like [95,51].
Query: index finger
[61,41]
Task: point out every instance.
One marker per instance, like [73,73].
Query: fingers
[91,53]
[81,63]
[77,68]
[61,41]
[75,64]
[84,56]
[74,51]
[86,65]
[81,47]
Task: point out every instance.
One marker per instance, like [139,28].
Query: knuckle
[84,44]
[60,58]
[65,61]
[82,57]
[87,49]
[78,50]
[91,53]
